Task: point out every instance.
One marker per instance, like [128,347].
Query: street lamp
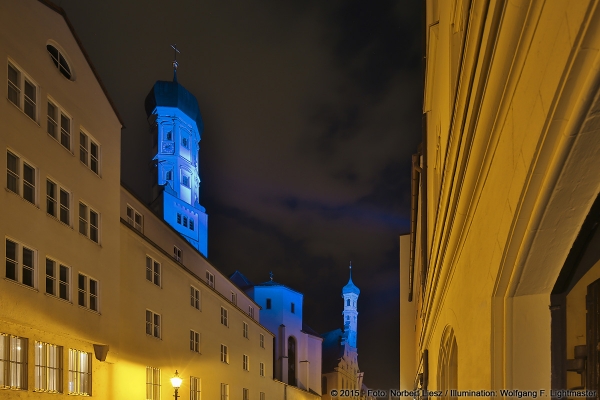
[176,382]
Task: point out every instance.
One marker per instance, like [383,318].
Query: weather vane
[175,63]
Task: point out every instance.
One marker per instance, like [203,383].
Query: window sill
[60,144]
[89,169]
[23,112]
[89,310]
[21,284]
[59,221]
[22,198]
[87,237]
[154,337]
[58,298]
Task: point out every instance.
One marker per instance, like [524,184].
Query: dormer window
[60,62]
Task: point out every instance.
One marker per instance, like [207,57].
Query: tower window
[191,224]
[293,308]
[185,142]
[348,302]
[169,175]
[185,180]
[169,135]
[179,218]
[268,304]
[185,221]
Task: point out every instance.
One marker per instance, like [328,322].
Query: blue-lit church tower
[176,126]
[350,294]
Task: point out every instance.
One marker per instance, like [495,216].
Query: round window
[59,61]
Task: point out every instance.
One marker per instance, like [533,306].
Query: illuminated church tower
[176,126]
[350,295]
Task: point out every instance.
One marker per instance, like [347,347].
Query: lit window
[245,330]
[58,202]
[152,324]
[57,116]
[153,271]
[224,391]
[194,341]
[262,369]
[87,289]
[234,298]
[22,92]
[89,152]
[134,218]
[152,383]
[195,388]
[210,279]
[20,177]
[59,61]
[245,363]
[262,340]
[13,362]
[224,354]
[89,223]
[268,304]
[80,372]
[58,278]
[251,311]
[246,394]
[177,253]
[262,396]
[224,316]
[195,297]
[20,263]
[48,368]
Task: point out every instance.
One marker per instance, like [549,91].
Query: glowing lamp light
[176,383]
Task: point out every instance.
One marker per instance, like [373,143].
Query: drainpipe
[414,208]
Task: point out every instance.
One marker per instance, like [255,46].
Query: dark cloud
[312,110]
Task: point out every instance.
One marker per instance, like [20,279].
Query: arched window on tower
[448,363]
[292,361]
[348,302]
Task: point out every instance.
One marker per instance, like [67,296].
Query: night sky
[312,110]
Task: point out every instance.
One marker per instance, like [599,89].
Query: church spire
[350,294]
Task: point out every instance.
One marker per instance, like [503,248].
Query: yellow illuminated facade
[98,295]
[504,247]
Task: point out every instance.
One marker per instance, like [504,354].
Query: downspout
[414,208]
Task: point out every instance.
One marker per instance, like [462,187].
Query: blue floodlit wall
[179,129]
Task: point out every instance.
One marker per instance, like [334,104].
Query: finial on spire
[350,270]
[175,63]
[271,275]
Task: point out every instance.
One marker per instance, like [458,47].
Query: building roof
[173,94]
[350,287]
[240,280]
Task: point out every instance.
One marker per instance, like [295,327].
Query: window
[245,363]
[134,218]
[293,308]
[58,278]
[262,395]
[89,152]
[246,394]
[20,263]
[245,330]
[48,368]
[185,142]
[234,298]
[22,92]
[59,61]
[262,340]
[191,224]
[251,311]
[13,362]
[20,177]
[58,202]
[185,180]
[348,302]
[195,297]
[169,175]
[87,292]
[80,372]
[56,116]
[152,383]
[153,271]
[89,222]
[224,316]
[448,361]
[194,341]
[262,369]
[195,388]
[268,304]
[224,354]
[224,391]
[177,253]
[152,324]
[210,279]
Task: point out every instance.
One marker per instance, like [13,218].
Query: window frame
[155,328]
[195,388]
[224,391]
[262,369]
[56,280]
[86,221]
[245,362]
[251,312]
[224,316]
[261,340]
[133,221]
[245,394]
[86,148]
[76,372]
[195,298]
[15,349]
[152,275]
[195,340]
[48,367]
[63,134]
[85,295]
[210,279]
[60,209]
[21,185]
[18,263]
[153,388]
[245,329]
[233,298]
[224,354]
[20,90]
[177,253]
